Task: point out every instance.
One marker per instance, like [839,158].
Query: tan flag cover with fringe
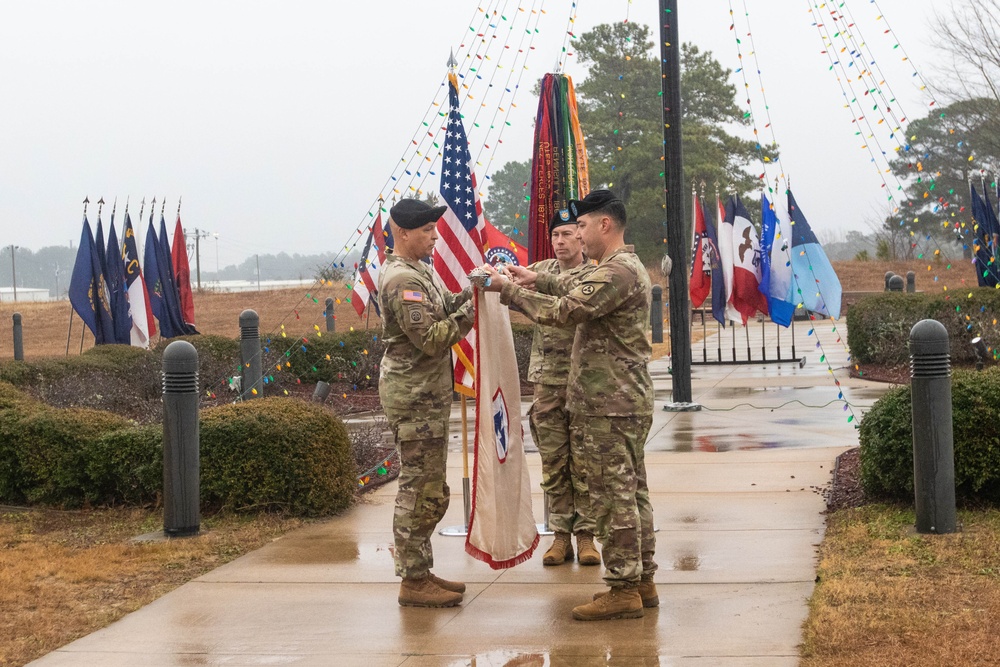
[502,530]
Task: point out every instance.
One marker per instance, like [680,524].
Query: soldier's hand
[497,279]
[522,276]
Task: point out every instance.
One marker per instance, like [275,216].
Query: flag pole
[680,300]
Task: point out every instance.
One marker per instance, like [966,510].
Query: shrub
[52,448]
[276,453]
[218,359]
[126,466]
[878,326]
[351,356]
[523,334]
[15,405]
[886,436]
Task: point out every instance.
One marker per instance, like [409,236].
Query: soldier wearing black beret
[421,320]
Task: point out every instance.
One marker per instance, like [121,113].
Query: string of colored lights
[360,231]
[765,163]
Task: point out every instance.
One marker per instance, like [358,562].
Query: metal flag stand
[463,530]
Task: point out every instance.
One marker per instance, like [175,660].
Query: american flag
[459,248]
[365,288]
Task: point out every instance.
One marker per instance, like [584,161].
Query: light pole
[13,269]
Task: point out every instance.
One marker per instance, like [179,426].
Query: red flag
[499,244]
[182,272]
[701,275]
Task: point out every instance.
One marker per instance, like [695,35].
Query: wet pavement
[734,489]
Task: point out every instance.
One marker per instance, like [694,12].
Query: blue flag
[117,288]
[718,279]
[814,280]
[87,290]
[171,317]
[985,258]
[776,267]
[151,272]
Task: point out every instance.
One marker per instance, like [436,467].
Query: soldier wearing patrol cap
[563,476]
[421,320]
[610,393]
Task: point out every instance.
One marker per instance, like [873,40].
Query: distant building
[24,294]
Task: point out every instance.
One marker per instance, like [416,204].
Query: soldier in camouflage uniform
[610,394]
[563,474]
[421,320]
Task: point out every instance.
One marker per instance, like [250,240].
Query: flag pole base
[682,407]
[461,531]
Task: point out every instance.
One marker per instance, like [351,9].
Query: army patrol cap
[560,218]
[597,199]
[413,213]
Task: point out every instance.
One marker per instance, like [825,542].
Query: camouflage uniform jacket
[551,347]
[609,375]
[421,320]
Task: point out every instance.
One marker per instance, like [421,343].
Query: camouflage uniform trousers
[423,496]
[619,496]
[563,475]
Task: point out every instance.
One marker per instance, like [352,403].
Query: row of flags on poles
[783,269]
[122,298]
[985,254]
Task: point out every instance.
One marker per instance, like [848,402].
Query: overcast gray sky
[281,123]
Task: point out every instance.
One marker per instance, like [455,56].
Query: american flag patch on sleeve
[410,295]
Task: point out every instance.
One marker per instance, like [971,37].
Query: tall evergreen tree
[935,168]
[620,113]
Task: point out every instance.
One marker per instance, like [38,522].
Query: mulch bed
[845,489]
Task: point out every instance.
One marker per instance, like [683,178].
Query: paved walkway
[734,490]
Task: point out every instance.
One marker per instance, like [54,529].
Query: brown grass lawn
[889,598]
[46,325]
[66,574]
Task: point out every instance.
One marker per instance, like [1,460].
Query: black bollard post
[331,321]
[656,314]
[321,392]
[933,445]
[911,282]
[18,338]
[896,284]
[888,277]
[181,473]
[252,385]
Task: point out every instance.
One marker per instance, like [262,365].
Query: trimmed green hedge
[886,436]
[878,326]
[267,454]
[276,453]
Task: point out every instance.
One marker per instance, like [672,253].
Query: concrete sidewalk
[735,492]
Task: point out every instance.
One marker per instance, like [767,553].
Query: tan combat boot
[622,602]
[453,586]
[425,593]
[647,591]
[560,551]
[586,553]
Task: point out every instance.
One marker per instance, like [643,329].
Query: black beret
[560,218]
[597,199]
[413,213]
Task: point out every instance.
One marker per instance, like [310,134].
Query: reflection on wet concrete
[618,657]
[720,441]
[317,552]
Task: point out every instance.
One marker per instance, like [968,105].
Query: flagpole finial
[452,63]
[179,207]
[100,206]
[163,206]
[86,200]
[114,207]
[127,198]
